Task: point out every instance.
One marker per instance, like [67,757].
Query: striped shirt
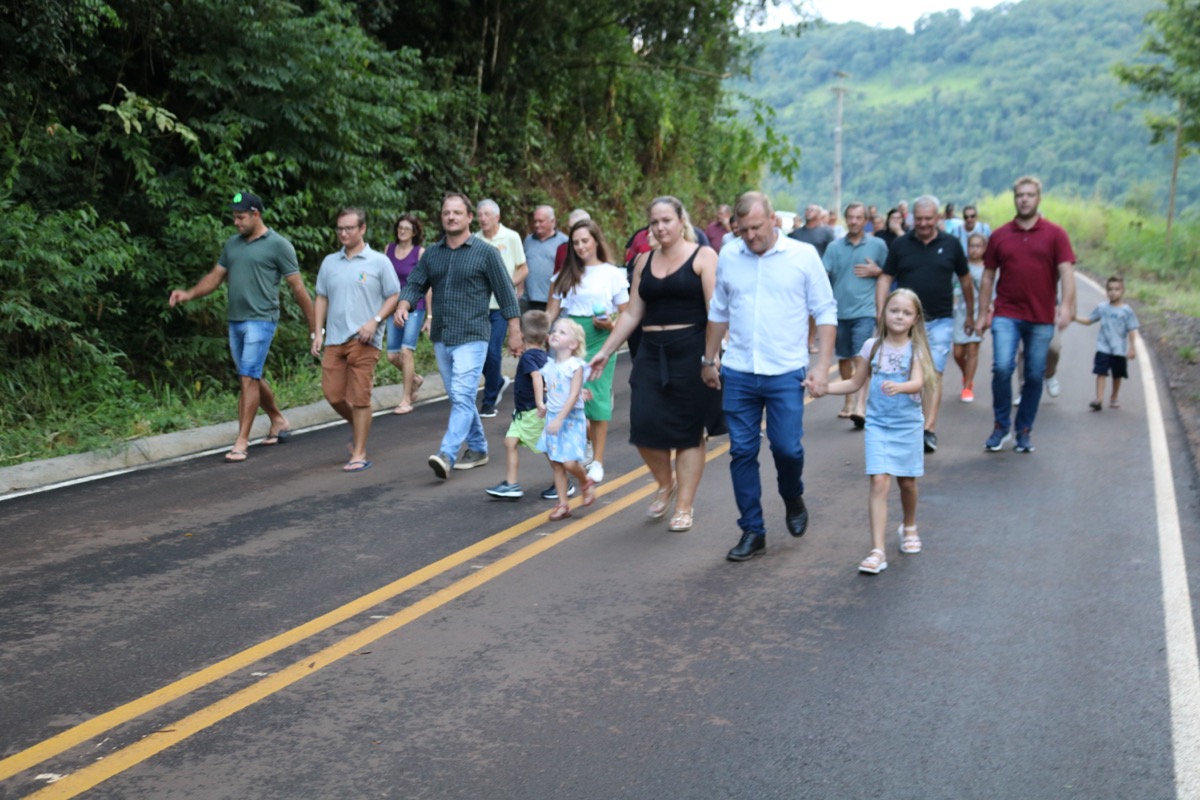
[463,278]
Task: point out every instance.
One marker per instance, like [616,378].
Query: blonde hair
[920,342]
[576,330]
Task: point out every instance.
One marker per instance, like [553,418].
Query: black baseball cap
[244,201]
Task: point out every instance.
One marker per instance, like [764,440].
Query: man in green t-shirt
[253,261]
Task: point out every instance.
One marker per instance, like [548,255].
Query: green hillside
[961,107]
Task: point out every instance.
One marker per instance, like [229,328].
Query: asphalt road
[278,629]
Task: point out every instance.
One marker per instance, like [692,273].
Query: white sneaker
[596,471]
[504,384]
[589,456]
[1053,387]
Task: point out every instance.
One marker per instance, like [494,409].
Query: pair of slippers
[272,437]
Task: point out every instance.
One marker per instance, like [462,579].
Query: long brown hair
[572,269]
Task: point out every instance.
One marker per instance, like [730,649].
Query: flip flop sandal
[418,382]
[403,408]
[363,466]
[235,456]
[279,437]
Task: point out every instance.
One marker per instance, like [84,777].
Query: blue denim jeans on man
[746,397]
[1007,334]
[492,378]
[460,366]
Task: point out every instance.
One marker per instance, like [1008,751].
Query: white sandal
[910,543]
[874,563]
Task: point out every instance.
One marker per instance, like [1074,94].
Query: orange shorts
[348,372]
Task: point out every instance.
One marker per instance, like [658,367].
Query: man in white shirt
[767,287]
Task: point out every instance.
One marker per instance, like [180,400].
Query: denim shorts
[852,334]
[407,336]
[940,333]
[249,343]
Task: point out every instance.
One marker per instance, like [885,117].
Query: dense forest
[960,107]
[127,125]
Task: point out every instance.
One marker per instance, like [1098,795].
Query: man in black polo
[925,260]
[464,271]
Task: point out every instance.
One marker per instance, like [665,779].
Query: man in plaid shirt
[463,271]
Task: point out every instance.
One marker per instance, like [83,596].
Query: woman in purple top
[404,253]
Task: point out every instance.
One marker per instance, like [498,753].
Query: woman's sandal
[403,408]
[682,521]
[418,382]
[589,492]
[662,501]
[561,511]
[874,563]
[910,543]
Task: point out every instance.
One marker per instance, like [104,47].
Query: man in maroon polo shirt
[1034,257]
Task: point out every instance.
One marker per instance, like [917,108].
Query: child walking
[527,423]
[900,366]
[1114,344]
[966,343]
[564,439]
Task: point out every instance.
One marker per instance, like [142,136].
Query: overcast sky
[889,13]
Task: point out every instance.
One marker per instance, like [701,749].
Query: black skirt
[672,407]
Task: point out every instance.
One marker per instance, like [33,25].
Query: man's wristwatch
[707,362]
[378,319]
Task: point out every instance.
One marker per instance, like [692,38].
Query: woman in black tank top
[671,406]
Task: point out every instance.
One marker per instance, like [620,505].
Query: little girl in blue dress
[564,439]
[900,366]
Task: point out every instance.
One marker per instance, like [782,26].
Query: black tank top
[677,299]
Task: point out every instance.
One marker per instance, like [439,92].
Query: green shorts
[526,428]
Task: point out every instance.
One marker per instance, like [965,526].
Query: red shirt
[1028,260]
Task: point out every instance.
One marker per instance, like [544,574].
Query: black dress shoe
[796,515]
[751,545]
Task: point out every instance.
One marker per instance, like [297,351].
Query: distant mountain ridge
[961,107]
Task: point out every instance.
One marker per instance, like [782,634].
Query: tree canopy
[127,125]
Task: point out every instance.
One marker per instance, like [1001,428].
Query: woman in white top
[592,291]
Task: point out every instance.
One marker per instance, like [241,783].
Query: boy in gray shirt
[1114,345]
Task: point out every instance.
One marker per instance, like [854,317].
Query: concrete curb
[150,450]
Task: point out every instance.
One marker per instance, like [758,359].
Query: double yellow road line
[172,734]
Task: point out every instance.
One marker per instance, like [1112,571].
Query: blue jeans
[460,366]
[1007,333]
[492,379]
[746,397]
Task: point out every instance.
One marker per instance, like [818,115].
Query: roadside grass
[107,414]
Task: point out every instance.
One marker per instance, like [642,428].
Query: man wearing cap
[253,261]
[357,289]
[464,271]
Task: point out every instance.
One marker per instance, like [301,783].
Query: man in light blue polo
[541,247]
[853,263]
[253,261]
[357,289]
[767,287]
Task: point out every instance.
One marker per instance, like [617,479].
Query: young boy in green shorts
[526,427]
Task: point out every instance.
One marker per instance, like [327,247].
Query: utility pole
[840,91]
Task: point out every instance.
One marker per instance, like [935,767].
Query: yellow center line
[174,733]
[105,722]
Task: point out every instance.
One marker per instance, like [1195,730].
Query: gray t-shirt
[1115,324]
[254,270]
[356,289]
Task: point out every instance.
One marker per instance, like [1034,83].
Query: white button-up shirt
[767,300]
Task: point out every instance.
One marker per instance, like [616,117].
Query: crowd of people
[727,326]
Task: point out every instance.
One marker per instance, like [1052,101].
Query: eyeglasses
[405,227]
[347,228]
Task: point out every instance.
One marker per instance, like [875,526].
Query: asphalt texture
[1021,655]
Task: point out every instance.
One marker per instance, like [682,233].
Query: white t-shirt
[602,284]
